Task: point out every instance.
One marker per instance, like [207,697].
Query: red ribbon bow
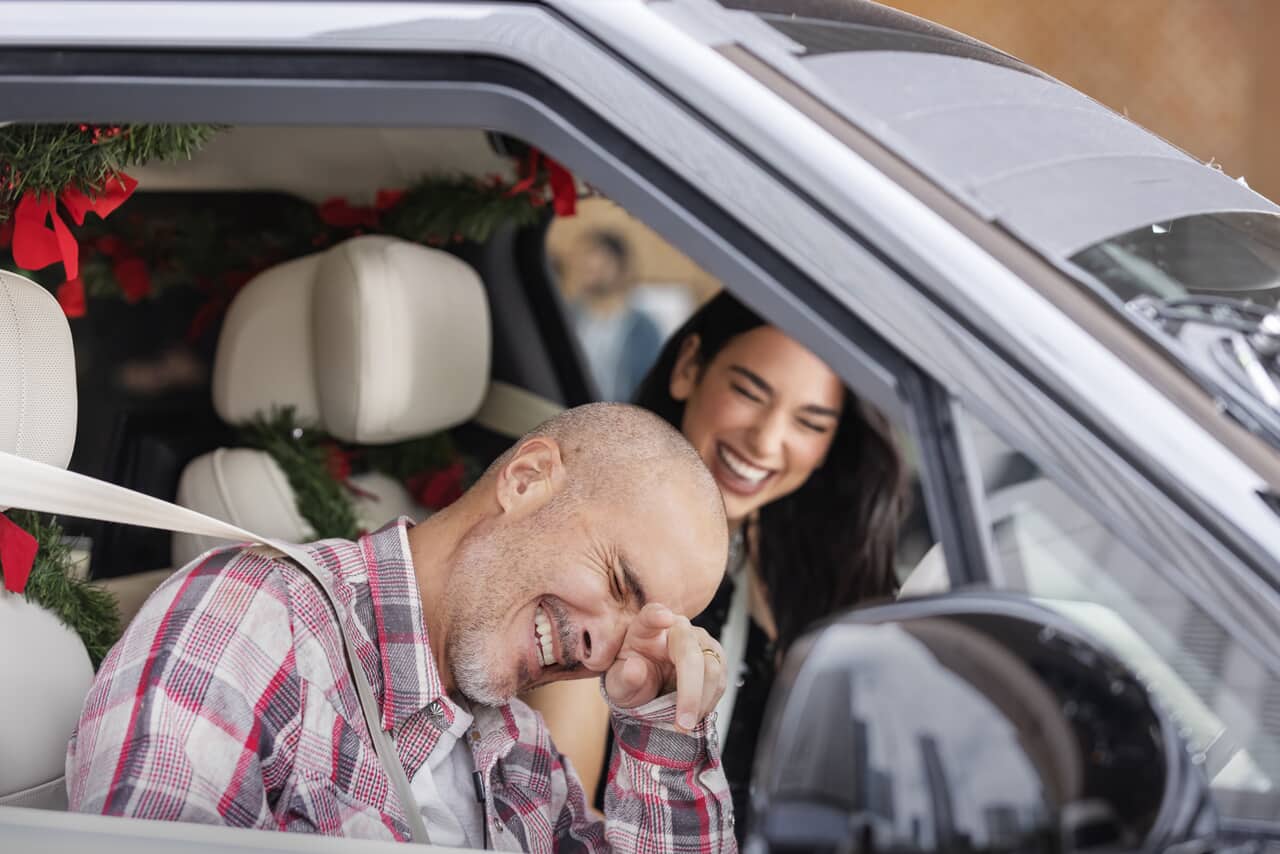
[17,554]
[40,237]
[340,213]
[564,193]
[436,490]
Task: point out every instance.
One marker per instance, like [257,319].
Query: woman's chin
[738,509]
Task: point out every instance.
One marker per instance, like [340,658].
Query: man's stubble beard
[488,565]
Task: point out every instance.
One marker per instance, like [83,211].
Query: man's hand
[660,653]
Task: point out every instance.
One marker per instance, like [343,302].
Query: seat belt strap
[43,488]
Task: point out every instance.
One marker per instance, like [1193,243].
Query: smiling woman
[813,487]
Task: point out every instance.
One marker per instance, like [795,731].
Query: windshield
[1220,254]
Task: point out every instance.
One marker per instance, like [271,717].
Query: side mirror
[973,722]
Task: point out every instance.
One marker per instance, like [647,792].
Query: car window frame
[778,290]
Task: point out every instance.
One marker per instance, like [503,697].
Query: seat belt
[43,488]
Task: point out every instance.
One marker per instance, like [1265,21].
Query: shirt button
[436,709]
[655,773]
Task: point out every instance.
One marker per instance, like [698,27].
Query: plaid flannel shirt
[228,701]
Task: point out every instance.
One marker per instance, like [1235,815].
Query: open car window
[160,273]
[625,291]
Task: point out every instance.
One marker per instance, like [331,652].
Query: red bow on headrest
[17,554]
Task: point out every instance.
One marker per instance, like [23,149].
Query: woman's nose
[768,435]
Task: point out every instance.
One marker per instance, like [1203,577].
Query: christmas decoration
[216,248]
[54,585]
[46,159]
[319,469]
[304,456]
[77,167]
[17,553]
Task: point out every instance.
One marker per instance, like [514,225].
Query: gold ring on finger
[712,653]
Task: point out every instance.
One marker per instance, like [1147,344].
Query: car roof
[1046,162]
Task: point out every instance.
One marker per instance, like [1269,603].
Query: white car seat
[44,669]
[375,340]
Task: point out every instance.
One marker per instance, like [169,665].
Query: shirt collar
[410,677]
[411,681]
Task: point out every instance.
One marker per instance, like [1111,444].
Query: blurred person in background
[619,340]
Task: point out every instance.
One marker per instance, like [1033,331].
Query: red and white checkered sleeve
[666,789]
[185,720]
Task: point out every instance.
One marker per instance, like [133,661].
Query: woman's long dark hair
[830,544]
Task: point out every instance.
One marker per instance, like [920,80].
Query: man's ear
[684,376]
[533,475]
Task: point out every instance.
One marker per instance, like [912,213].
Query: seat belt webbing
[43,488]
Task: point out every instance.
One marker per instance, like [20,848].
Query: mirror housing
[971,722]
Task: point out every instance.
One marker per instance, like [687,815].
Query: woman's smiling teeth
[542,627]
[740,467]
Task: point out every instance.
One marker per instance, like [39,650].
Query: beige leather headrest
[47,669]
[374,340]
[37,374]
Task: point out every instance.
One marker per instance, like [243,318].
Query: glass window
[1221,254]
[1048,545]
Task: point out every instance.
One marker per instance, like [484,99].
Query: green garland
[49,158]
[167,243]
[451,208]
[318,467]
[54,585]
[303,454]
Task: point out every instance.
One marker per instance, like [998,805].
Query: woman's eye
[816,428]
[745,392]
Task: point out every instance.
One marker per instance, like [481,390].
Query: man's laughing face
[547,594]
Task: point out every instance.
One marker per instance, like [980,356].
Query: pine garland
[167,243]
[49,158]
[89,610]
[406,460]
[318,468]
[304,456]
[445,209]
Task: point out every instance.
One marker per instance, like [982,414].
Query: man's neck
[432,545]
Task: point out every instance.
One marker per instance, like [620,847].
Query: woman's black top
[738,737]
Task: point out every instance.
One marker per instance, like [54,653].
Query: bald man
[581,552]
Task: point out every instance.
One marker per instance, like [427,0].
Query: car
[1072,323]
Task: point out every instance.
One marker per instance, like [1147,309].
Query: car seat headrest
[37,373]
[46,664]
[374,340]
